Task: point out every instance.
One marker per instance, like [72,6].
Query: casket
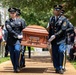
[35,36]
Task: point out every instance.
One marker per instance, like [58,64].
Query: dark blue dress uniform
[22,52]
[14,28]
[59,28]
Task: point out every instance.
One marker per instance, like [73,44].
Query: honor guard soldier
[22,53]
[18,13]
[58,26]
[14,27]
[69,39]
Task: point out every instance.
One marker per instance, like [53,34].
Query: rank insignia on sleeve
[8,26]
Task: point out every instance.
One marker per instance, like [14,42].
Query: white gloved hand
[51,38]
[49,46]
[20,36]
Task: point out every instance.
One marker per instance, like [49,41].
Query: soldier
[58,26]
[69,42]
[14,27]
[22,56]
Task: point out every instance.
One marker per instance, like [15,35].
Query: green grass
[74,63]
[4,59]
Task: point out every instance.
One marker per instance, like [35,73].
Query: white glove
[20,36]
[49,46]
[51,38]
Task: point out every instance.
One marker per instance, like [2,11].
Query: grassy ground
[4,59]
[74,63]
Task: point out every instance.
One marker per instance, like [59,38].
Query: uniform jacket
[14,28]
[59,28]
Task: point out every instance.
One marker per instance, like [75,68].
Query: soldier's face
[56,12]
[12,14]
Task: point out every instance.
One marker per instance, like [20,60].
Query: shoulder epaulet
[63,17]
[51,18]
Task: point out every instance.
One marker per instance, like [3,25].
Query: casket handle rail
[33,40]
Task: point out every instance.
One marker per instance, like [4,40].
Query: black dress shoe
[64,69]
[22,66]
[57,71]
[61,71]
[17,71]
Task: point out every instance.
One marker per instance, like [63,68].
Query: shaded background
[39,11]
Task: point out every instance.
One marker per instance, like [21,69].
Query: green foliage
[41,18]
[32,48]
[39,11]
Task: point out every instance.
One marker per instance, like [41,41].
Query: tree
[39,11]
